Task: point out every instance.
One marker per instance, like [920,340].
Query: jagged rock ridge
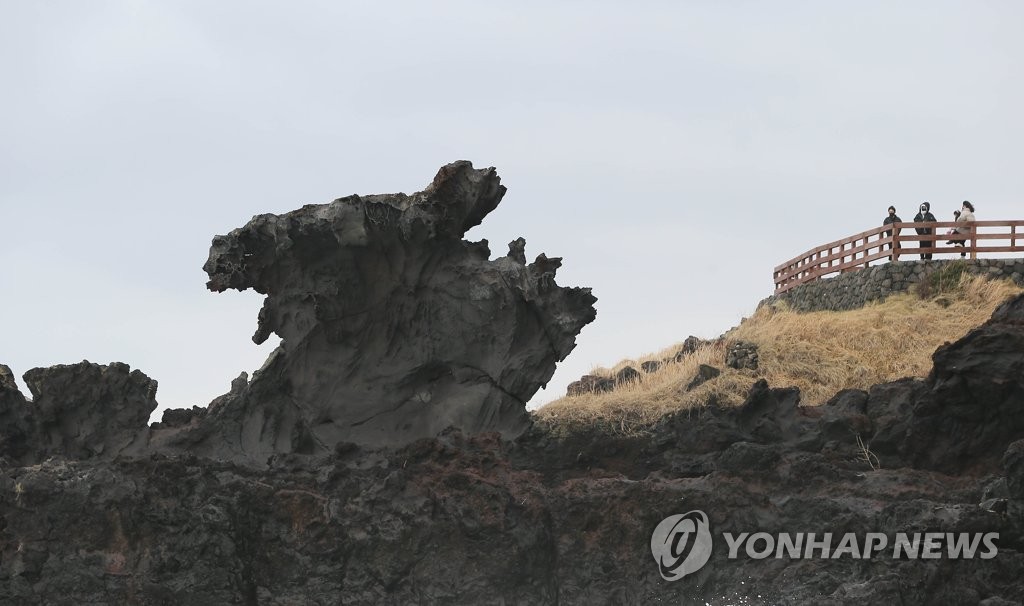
[78,411]
[558,519]
[392,328]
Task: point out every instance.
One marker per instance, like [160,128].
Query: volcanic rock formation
[78,411]
[392,326]
[562,518]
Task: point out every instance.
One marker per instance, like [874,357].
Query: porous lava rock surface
[78,411]
[554,517]
[392,326]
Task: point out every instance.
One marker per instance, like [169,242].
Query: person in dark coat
[892,218]
[924,215]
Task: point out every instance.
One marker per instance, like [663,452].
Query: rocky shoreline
[465,519]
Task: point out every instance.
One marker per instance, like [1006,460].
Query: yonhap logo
[681,544]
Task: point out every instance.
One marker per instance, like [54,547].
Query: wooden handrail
[874,244]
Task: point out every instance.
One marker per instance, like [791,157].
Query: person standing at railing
[952,231]
[892,218]
[966,217]
[924,215]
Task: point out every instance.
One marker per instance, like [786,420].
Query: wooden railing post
[974,241]
[895,242]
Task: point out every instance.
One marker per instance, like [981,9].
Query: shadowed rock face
[78,411]
[393,327]
[16,424]
[558,519]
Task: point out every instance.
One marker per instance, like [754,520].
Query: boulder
[690,345]
[741,354]
[650,366]
[590,384]
[704,374]
[627,374]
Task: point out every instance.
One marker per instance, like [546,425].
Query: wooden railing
[896,240]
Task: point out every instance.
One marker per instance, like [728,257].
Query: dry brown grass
[637,404]
[820,353]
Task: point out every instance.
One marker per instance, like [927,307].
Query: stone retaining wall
[854,289]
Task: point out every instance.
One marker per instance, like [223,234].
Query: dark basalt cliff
[269,499]
[549,519]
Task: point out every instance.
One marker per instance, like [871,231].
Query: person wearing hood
[892,218]
[924,215]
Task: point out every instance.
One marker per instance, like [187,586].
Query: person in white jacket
[966,217]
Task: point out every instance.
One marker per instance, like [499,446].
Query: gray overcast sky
[671,152]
